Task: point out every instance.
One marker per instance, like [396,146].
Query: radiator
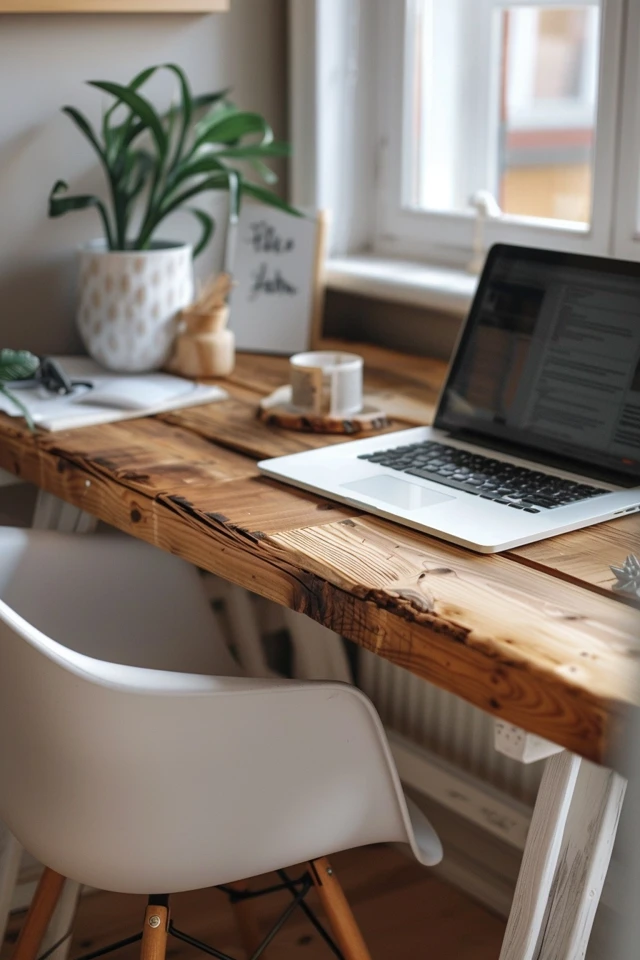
[445,725]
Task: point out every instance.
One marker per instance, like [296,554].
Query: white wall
[44,61]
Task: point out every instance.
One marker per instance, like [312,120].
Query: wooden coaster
[276,410]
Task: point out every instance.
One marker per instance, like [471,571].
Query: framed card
[276,303]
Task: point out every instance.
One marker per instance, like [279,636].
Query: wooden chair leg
[44,902]
[247,923]
[342,920]
[155,930]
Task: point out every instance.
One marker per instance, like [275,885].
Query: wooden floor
[404,912]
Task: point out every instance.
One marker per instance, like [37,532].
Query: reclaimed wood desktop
[536,636]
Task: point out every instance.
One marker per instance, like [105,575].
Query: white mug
[326,383]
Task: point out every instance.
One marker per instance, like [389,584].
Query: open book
[107,397]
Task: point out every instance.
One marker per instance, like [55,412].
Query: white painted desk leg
[10,857]
[51,513]
[584,859]
[319,653]
[541,853]
[566,856]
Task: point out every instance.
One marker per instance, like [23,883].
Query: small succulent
[628,576]
[17,365]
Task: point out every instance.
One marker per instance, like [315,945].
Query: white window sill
[439,288]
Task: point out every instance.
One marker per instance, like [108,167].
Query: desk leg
[51,513]
[565,861]
[586,851]
[541,854]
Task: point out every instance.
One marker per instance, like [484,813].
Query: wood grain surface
[536,636]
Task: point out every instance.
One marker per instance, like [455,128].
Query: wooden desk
[535,636]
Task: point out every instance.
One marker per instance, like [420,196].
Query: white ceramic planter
[128,303]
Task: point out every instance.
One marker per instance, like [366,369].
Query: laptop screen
[550,358]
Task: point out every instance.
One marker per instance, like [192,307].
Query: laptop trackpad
[400,493]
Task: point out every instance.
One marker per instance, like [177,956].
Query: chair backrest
[114,598]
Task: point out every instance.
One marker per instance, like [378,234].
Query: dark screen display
[550,358]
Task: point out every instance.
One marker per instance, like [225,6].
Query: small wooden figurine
[204,347]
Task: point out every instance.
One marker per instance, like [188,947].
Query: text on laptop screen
[550,358]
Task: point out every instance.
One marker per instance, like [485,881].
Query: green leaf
[225,180]
[230,129]
[208,226]
[20,405]
[210,119]
[17,365]
[85,127]
[202,100]
[140,107]
[58,206]
[264,171]
[121,135]
[144,163]
[206,164]
[271,199]
[186,109]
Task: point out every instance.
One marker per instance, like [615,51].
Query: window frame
[433,234]
[626,228]
[569,112]
[343,112]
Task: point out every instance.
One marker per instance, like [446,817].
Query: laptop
[537,429]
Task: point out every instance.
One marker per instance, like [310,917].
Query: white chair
[125,775]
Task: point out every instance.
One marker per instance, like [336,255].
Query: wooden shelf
[114,6]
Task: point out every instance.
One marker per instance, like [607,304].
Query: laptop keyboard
[504,483]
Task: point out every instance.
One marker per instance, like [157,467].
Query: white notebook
[111,397]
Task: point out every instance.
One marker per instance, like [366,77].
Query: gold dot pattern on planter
[123,324]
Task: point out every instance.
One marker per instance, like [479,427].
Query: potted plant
[132,281]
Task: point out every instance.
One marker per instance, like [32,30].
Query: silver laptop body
[537,430]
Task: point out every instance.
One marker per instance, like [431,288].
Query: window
[533,150]
[426,110]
